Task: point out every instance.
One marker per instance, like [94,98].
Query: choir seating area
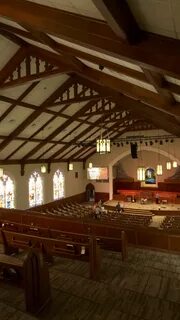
[149,195]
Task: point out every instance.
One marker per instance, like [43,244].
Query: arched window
[6,192]
[35,190]
[58,185]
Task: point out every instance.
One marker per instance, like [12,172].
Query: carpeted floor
[146,286]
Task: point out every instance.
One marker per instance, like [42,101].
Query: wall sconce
[43,168]
[174,164]
[159,170]
[141,174]
[90,165]
[168,165]
[70,166]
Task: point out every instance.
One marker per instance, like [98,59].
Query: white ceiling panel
[68,150]
[36,125]
[177,97]
[42,150]
[37,44]
[157,16]
[14,92]
[13,145]
[82,7]
[64,132]
[70,154]
[56,108]
[44,89]
[14,119]
[25,150]
[172,80]
[93,119]
[76,132]
[50,128]
[3,107]
[7,49]
[73,108]
[53,150]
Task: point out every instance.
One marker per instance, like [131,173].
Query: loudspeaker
[134,150]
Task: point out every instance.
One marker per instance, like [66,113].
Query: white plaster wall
[72,185]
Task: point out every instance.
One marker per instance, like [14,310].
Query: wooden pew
[32,273]
[107,238]
[88,251]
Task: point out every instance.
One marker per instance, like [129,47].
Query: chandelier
[103,146]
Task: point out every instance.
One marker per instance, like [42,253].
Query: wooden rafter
[140,76]
[95,34]
[166,121]
[120,19]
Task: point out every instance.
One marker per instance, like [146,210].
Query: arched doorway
[90,192]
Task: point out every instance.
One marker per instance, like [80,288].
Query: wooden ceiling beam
[48,41]
[95,59]
[145,96]
[120,19]
[159,119]
[96,34]
[158,81]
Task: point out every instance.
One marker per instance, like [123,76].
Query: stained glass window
[35,189]
[6,192]
[58,185]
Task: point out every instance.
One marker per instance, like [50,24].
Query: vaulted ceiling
[71,70]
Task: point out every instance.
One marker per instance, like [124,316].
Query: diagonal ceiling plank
[59,129]
[34,115]
[95,34]
[96,123]
[16,102]
[120,19]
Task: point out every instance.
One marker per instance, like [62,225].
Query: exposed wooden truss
[118,97]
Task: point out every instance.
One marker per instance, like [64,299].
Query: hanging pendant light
[168,165]
[141,174]
[159,170]
[103,146]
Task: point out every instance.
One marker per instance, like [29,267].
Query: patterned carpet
[145,287]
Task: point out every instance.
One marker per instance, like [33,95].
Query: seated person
[119,208]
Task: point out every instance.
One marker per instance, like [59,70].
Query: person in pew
[119,208]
